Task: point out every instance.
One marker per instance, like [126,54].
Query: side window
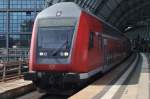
[101,41]
[91,40]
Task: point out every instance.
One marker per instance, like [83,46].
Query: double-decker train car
[70,45]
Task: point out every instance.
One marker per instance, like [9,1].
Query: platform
[138,86]
[14,88]
[133,84]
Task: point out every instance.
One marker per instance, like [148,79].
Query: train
[70,45]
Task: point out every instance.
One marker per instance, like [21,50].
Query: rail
[9,70]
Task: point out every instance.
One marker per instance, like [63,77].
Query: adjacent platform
[14,88]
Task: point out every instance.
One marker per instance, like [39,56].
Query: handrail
[9,69]
[12,54]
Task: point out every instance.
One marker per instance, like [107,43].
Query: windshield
[54,41]
[55,37]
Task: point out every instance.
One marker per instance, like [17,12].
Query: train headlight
[45,54]
[41,53]
[66,54]
[61,54]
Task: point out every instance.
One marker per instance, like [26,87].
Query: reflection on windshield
[54,37]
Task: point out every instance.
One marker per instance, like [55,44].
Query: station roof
[120,13]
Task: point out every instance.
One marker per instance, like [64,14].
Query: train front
[52,43]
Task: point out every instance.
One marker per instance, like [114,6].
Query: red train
[70,45]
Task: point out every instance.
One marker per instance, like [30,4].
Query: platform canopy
[120,13]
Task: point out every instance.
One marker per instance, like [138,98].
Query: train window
[105,42]
[91,40]
[100,41]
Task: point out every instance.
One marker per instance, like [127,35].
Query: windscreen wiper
[57,50]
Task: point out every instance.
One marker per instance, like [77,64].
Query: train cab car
[69,45]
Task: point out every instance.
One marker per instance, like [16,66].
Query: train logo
[58,13]
[51,67]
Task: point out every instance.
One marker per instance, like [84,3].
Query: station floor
[138,85]
[12,84]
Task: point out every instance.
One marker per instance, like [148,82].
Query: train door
[105,46]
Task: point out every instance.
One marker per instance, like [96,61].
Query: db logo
[51,67]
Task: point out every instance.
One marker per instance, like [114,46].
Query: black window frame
[91,40]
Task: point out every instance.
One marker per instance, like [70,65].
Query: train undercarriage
[54,83]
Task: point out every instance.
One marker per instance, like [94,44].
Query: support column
[7,32]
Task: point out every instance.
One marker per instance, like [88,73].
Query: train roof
[67,9]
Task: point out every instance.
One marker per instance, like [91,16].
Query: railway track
[108,78]
[37,95]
